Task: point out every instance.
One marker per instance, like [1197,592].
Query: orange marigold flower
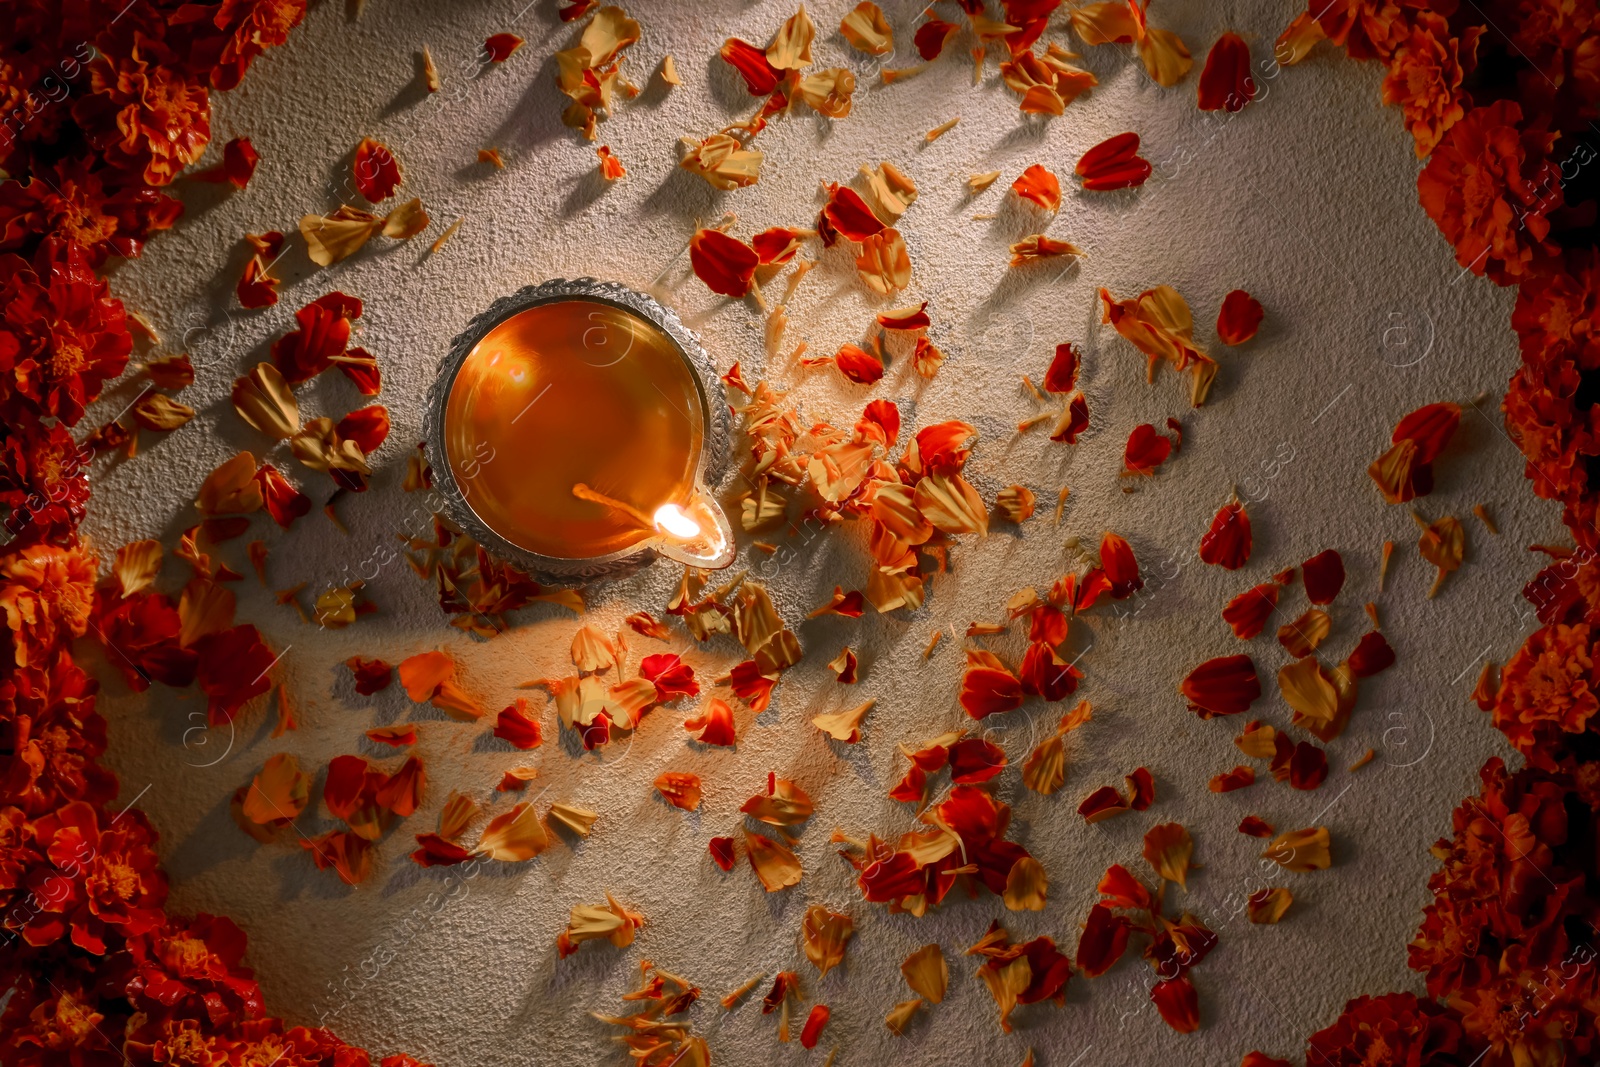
[1425,77]
[1387,1031]
[47,593]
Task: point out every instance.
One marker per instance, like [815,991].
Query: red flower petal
[974,760]
[1431,427]
[1145,451]
[1225,685]
[1227,543]
[1040,186]
[501,45]
[437,852]
[988,691]
[1103,803]
[1114,163]
[847,213]
[1248,612]
[1255,827]
[368,427]
[932,36]
[1122,890]
[725,264]
[239,159]
[1103,941]
[778,244]
[751,685]
[1178,1003]
[1062,377]
[283,501]
[363,374]
[1076,421]
[376,171]
[1141,789]
[751,62]
[721,849]
[880,418]
[1372,654]
[323,332]
[672,676]
[812,1031]
[514,725]
[1122,570]
[1323,575]
[1045,674]
[1237,778]
[1226,84]
[1239,318]
[1308,766]
[372,675]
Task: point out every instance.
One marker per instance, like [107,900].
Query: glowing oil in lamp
[575,429]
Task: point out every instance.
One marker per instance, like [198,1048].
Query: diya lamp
[573,430]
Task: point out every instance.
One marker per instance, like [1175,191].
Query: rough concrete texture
[1307,199]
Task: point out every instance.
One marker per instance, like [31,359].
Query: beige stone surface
[1307,199]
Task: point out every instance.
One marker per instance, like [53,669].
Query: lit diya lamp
[573,429]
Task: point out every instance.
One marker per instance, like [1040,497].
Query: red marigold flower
[1547,689]
[56,740]
[1367,29]
[44,480]
[1489,187]
[250,28]
[194,967]
[62,335]
[1393,1030]
[143,113]
[97,881]
[72,201]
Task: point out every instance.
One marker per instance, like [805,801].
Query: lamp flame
[673,520]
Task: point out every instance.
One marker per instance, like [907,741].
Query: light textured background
[1306,199]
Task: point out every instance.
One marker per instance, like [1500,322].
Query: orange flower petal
[1039,186]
